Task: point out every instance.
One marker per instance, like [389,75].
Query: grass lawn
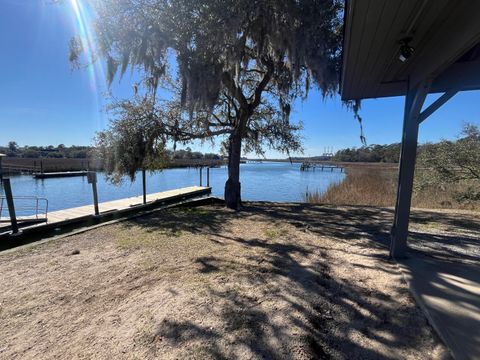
[279,281]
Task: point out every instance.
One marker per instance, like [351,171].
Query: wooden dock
[115,207]
[305,166]
[47,175]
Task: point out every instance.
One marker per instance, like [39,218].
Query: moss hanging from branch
[301,38]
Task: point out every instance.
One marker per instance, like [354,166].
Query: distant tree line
[33,152]
[441,155]
[372,153]
[83,152]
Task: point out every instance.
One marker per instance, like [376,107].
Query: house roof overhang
[445,36]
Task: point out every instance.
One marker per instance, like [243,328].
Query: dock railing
[28,208]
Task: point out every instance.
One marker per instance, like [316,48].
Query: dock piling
[208,176]
[201,176]
[11,206]
[144,185]
[92,179]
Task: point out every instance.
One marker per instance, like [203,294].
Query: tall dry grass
[360,187]
[378,186]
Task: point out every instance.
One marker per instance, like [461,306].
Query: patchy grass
[283,281]
[195,211]
[138,237]
[272,233]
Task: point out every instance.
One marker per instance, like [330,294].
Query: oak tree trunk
[232,186]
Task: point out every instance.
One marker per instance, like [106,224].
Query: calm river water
[267,181]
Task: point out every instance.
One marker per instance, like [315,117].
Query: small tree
[239,64]
[130,144]
[450,162]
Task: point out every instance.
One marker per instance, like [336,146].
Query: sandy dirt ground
[279,281]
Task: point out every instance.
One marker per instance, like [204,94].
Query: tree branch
[262,85]
[220,122]
[235,90]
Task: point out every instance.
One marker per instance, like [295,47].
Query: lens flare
[83,21]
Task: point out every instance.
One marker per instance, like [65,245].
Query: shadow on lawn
[328,310]
[194,220]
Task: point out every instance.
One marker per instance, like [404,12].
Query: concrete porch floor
[448,291]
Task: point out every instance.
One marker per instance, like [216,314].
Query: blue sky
[42,101]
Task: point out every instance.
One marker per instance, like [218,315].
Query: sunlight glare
[83,24]
[83,27]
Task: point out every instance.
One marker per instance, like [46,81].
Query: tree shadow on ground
[194,220]
[326,309]
[460,249]
[451,221]
[445,239]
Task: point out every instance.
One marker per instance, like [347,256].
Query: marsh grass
[360,187]
[378,186]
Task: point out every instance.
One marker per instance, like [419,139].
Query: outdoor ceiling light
[406,51]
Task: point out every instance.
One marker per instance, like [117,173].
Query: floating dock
[48,175]
[117,208]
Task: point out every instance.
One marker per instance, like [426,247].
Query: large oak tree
[238,65]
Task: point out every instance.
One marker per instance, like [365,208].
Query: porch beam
[436,105]
[414,101]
